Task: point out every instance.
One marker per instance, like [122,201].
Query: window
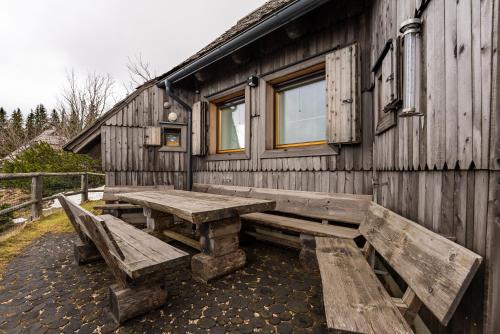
[172,137]
[231,126]
[387,86]
[300,112]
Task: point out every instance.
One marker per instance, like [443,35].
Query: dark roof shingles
[243,24]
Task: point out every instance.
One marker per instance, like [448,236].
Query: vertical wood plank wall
[126,159]
[441,170]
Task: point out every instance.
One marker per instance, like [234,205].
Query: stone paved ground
[44,291]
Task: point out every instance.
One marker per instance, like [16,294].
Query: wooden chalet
[394,99]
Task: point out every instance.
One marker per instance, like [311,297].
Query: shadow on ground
[44,291]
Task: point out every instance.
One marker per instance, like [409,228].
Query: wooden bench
[132,214]
[330,208]
[436,270]
[138,261]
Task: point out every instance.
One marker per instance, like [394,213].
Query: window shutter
[199,121]
[343,96]
[152,136]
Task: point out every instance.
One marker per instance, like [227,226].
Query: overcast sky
[41,40]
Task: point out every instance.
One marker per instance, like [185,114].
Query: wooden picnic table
[217,217]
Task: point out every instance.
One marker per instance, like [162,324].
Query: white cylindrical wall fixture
[411,49]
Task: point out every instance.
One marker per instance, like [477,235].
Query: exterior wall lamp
[411,65]
[253,81]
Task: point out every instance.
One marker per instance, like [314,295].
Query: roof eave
[276,20]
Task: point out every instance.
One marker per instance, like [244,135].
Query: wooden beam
[182,239]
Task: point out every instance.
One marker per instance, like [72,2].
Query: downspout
[189,149]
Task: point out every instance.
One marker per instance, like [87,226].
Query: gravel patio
[44,291]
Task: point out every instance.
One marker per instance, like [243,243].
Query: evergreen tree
[54,119]
[31,131]
[3,118]
[74,124]
[16,121]
[40,118]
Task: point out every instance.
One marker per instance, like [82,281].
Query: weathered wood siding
[458,52]
[126,159]
[330,33]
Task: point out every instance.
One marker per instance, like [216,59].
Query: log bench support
[220,254]
[130,301]
[86,252]
[307,256]
[157,221]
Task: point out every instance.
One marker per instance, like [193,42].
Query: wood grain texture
[343,95]
[337,207]
[197,207]
[300,225]
[125,248]
[437,269]
[355,300]
[144,254]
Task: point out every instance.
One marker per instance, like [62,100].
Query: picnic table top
[196,207]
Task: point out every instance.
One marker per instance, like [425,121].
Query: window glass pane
[232,127]
[172,137]
[302,113]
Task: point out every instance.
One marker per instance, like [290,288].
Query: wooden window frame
[218,150]
[182,147]
[300,81]
[214,124]
[392,53]
[268,91]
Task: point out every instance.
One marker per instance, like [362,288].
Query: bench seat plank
[301,225]
[143,253]
[355,300]
[117,206]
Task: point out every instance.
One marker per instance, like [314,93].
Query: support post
[85,187]
[220,250]
[36,196]
[157,221]
[307,254]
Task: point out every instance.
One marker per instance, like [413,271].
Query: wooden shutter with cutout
[152,136]
[199,121]
[343,96]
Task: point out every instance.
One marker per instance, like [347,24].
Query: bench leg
[307,254]
[86,252]
[220,250]
[157,221]
[129,302]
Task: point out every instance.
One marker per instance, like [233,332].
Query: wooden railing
[37,198]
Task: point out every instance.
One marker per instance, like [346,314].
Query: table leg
[220,249]
[157,221]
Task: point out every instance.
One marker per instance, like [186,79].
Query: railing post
[85,187]
[36,196]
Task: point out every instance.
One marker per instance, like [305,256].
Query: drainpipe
[187,107]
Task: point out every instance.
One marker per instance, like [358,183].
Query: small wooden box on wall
[161,136]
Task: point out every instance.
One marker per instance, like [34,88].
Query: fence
[37,198]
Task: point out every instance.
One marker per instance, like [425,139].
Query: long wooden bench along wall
[436,270]
[140,263]
[313,214]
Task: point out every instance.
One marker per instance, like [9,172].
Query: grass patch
[57,222]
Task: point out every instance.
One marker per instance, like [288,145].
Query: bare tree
[83,101]
[139,72]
